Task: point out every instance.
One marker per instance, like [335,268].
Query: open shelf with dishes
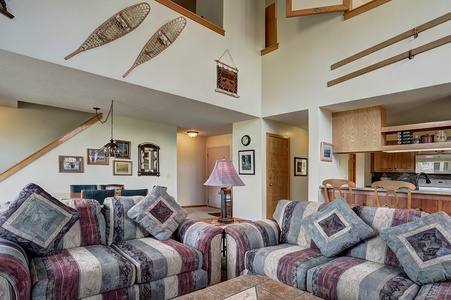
[416,129]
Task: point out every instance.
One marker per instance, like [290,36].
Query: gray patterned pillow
[37,221]
[423,247]
[336,228]
[158,213]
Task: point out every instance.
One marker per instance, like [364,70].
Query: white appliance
[433,164]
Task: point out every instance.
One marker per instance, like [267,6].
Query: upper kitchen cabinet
[393,162]
[358,130]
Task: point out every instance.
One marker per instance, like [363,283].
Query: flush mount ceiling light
[111,148]
[192,133]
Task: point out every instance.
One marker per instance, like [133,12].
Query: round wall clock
[245,140]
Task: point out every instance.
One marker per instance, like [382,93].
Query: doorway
[213,154]
[277,171]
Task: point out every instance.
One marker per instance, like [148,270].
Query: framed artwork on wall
[96,158]
[125,147]
[122,168]
[70,164]
[246,161]
[300,166]
[326,151]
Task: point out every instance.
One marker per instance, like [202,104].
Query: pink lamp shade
[224,174]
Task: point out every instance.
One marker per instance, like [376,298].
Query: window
[205,12]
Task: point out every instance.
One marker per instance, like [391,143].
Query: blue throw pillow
[37,221]
[336,228]
[423,247]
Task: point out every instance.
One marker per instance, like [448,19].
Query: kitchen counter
[427,200]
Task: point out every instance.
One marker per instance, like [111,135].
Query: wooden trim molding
[269,49]
[314,10]
[192,16]
[364,8]
[25,162]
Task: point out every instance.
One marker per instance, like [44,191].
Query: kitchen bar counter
[429,201]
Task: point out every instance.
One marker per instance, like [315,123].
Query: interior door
[213,154]
[277,171]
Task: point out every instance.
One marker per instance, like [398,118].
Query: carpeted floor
[202,212]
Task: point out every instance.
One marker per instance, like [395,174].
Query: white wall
[44,171]
[294,77]
[248,200]
[50,31]
[191,161]
[35,125]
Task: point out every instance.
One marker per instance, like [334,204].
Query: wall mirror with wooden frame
[205,12]
[148,159]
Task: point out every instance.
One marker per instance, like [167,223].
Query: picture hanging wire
[231,58]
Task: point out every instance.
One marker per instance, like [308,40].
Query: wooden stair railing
[25,162]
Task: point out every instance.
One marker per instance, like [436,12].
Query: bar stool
[391,186]
[337,185]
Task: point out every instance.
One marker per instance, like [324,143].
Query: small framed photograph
[122,167]
[246,159]
[125,147]
[70,164]
[96,158]
[326,151]
[300,166]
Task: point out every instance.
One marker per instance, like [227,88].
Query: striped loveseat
[106,255]
[283,249]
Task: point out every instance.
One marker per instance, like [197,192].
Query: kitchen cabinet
[416,129]
[393,162]
[358,130]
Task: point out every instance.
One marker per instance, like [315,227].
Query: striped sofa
[105,255]
[281,249]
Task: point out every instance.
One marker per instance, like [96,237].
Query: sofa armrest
[207,239]
[15,281]
[247,236]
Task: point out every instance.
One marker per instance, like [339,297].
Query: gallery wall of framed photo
[121,165]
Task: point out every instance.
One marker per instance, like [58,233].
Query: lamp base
[226,220]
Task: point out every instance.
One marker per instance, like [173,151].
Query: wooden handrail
[25,162]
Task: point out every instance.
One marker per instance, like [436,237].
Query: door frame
[268,135]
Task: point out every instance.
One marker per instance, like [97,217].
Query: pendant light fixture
[111,148]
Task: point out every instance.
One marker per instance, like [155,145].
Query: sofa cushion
[156,259]
[349,278]
[158,213]
[89,229]
[435,291]
[119,227]
[423,247]
[375,249]
[14,268]
[336,228]
[289,214]
[80,272]
[165,288]
[37,221]
[286,263]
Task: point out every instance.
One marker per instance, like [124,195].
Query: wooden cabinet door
[393,162]
[404,162]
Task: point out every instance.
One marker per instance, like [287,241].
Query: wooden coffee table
[249,287]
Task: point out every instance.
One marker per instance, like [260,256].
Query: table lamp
[224,175]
